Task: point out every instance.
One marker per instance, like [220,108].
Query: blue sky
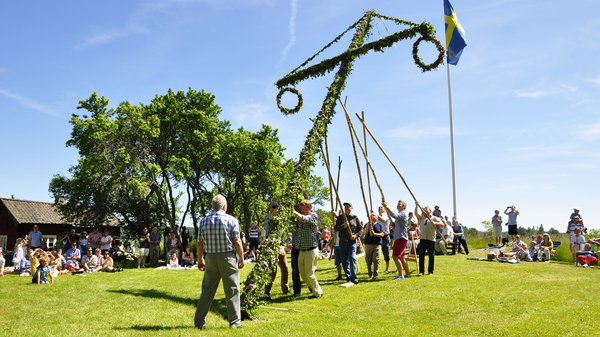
[526,91]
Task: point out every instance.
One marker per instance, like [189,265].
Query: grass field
[463,298]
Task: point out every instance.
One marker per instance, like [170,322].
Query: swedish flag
[455,34]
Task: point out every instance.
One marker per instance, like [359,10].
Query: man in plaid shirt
[219,236]
[306,243]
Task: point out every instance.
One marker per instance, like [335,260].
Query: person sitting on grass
[173,262]
[576,240]
[4,270]
[57,263]
[545,248]
[107,263]
[519,250]
[34,259]
[73,252]
[72,265]
[89,262]
[42,272]
[173,245]
[587,257]
[187,257]
[532,252]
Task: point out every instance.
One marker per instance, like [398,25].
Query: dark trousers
[460,241]
[385,247]
[296,272]
[429,246]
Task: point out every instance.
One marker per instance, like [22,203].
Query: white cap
[576,208]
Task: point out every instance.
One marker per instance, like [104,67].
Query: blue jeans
[348,256]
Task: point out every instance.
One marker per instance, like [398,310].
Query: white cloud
[250,111]
[590,132]
[292,31]
[530,94]
[29,103]
[414,132]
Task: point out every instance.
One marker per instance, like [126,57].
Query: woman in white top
[105,242]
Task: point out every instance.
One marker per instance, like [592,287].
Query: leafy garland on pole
[280,225]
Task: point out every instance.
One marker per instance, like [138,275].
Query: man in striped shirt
[219,236]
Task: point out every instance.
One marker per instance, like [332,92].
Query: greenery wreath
[298,106]
[419,61]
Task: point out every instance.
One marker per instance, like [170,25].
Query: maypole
[258,277]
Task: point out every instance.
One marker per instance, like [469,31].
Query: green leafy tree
[133,158]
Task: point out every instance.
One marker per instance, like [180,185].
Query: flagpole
[452,142]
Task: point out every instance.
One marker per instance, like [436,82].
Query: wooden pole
[332,244]
[338,177]
[337,196]
[366,154]
[357,162]
[397,171]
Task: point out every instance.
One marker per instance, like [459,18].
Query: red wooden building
[17,218]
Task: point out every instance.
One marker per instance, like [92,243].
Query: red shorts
[399,247]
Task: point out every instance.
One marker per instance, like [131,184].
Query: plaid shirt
[217,232]
[306,235]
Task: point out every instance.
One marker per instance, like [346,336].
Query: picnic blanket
[500,259]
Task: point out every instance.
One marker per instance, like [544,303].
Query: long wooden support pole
[400,174]
[337,196]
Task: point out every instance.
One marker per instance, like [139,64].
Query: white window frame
[50,241]
[3,242]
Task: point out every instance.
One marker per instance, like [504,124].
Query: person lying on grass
[587,257]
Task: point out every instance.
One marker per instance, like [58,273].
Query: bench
[555,246]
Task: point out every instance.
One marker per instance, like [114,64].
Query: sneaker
[354,281]
[399,277]
[339,278]
[586,265]
[408,276]
[143,266]
[296,295]
[139,266]
[386,271]
[316,296]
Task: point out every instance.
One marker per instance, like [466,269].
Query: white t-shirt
[105,242]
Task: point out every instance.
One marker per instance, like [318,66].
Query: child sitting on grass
[173,262]
[43,271]
[587,257]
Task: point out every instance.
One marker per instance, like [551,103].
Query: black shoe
[339,278]
[354,281]
[316,296]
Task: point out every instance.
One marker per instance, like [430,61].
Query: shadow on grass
[154,327]
[218,307]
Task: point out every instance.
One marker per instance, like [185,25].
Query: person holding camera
[512,221]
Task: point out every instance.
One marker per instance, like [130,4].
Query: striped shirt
[217,232]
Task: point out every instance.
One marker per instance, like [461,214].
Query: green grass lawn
[463,298]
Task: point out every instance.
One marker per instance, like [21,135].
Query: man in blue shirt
[219,236]
[154,242]
[73,252]
[35,238]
